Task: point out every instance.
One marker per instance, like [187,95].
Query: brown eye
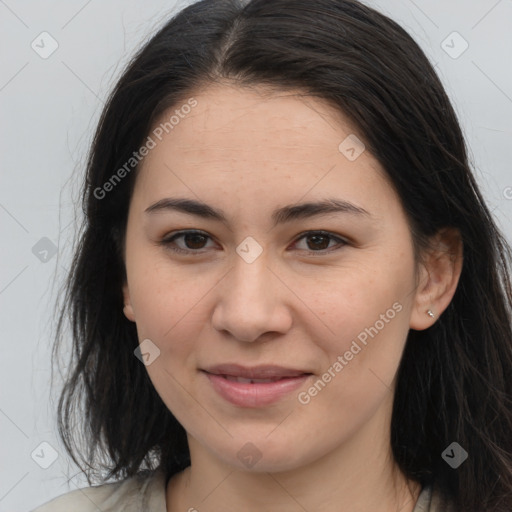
[318,241]
[194,241]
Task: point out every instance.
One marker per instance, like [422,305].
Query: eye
[195,240]
[320,240]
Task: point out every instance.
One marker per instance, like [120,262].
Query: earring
[430,313]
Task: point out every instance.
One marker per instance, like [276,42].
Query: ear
[439,275]
[128,308]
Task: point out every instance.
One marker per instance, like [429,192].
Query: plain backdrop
[50,105]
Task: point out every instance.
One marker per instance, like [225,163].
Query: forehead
[229,119]
[255,141]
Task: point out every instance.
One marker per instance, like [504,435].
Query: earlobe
[438,278]
[128,309]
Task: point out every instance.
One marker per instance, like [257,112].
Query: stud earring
[430,313]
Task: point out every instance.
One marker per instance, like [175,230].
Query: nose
[252,301]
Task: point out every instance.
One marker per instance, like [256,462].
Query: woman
[288,293]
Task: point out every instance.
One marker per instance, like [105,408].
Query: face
[313,303]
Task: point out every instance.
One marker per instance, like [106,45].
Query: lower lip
[245,394]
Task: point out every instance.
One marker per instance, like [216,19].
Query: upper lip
[254,372]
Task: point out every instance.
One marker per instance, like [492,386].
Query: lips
[254,387]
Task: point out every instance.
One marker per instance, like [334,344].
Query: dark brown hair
[454,380]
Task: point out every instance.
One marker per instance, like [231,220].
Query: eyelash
[169,240]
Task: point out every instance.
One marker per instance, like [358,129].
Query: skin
[299,304]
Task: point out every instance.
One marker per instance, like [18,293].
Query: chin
[263,455]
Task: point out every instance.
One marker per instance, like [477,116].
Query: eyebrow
[279,216]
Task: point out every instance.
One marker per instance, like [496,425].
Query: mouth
[253,381]
[269,373]
[256,386]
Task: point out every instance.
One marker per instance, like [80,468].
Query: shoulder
[430,500]
[145,491]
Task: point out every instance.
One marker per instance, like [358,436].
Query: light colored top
[147,493]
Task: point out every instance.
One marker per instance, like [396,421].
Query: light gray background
[49,109]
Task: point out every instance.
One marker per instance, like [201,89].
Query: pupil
[194,236]
[316,237]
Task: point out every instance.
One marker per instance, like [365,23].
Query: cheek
[364,326]
[353,300]
[167,305]
[357,379]
[164,296]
